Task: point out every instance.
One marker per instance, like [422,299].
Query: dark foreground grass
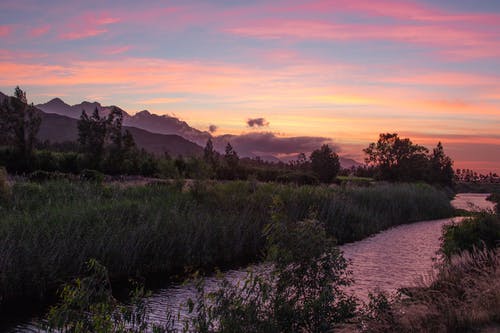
[48,231]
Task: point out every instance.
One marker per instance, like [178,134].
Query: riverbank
[464,293]
[50,230]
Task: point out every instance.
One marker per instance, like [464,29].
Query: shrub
[299,178]
[43,176]
[480,231]
[88,305]
[92,176]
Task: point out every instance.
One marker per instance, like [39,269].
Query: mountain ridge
[155,124]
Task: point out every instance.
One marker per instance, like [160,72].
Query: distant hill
[163,124]
[57,128]
[153,126]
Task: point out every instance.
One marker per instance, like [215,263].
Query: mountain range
[164,133]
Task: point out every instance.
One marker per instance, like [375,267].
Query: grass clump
[480,231]
[464,297]
[4,187]
[49,230]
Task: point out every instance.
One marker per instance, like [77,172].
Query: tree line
[105,146]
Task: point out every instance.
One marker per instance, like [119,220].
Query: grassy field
[48,231]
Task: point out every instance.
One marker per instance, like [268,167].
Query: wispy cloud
[87,25]
[5,30]
[39,31]
[161,100]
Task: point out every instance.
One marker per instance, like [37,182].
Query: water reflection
[392,259]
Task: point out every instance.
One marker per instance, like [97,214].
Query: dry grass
[4,185]
[464,297]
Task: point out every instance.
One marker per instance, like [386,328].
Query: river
[398,257]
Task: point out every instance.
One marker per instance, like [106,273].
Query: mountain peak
[143,113]
[86,103]
[56,101]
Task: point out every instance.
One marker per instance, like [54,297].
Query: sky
[338,69]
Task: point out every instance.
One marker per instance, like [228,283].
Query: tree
[19,124]
[231,157]
[441,166]
[325,163]
[92,137]
[396,158]
[209,154]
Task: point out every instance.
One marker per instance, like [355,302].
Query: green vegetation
[397,159]
[464,295]
[49,230]
[302,293]
[480,231]
[88,305]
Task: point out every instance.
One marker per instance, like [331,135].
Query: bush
[88,305]
[92,176]
[302,293]
[299,178]
[480,231]
[51,229]
[43,176]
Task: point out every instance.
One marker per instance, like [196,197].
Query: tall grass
[464,297]
[48,231]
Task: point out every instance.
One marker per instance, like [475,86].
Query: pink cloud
[82,34]
[87,25]
[5,30]
[39,31]
[397,9]
[114,50]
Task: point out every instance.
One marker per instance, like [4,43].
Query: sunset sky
[341,69]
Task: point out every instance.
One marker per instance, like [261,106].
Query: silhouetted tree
[441,166]
[92,136]
[210,155]
[325,163]
[231,157]
[19,124]
[396,158]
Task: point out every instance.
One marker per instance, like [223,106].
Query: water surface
[398,257]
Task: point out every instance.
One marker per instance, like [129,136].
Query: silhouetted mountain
[57,128]
[264,144]
[163,124]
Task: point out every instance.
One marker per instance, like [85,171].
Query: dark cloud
[267,143]
[212,128]
[257,122]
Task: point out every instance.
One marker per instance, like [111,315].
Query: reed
[49,230]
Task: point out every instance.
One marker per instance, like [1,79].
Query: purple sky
[341,69]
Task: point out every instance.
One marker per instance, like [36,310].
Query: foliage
[464,296]
[104,144]
[49,230]
[92,176]
[480,231]
[325,164]
[302,293]
[87,305]
[399,159]
[19,125]
[43,176]
[299,178]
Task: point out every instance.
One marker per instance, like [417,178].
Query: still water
[399,257]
